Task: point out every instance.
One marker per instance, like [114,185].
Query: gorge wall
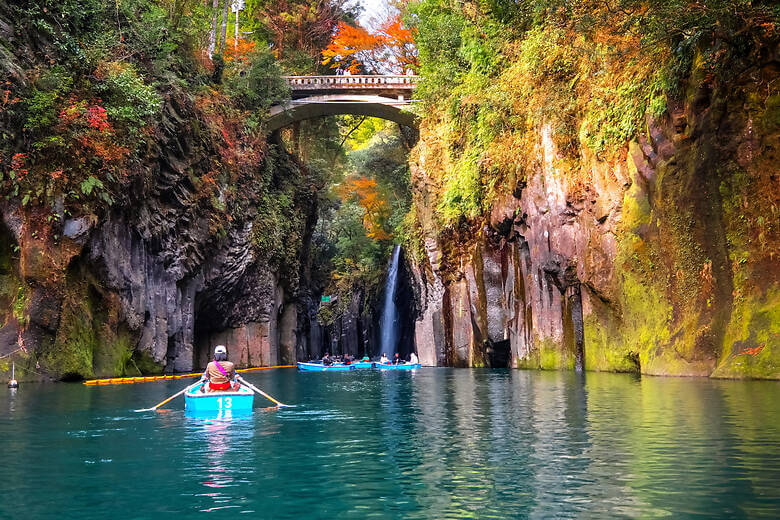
[153,283]
[662,261]
[145,215]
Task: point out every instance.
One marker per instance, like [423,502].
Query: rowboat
[235,401]
[400,366]
[319,367]
[363,364]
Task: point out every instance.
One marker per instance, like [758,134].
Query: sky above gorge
[373,11]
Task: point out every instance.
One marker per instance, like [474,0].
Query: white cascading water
[388,323]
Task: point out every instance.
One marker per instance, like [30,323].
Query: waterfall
[389,321]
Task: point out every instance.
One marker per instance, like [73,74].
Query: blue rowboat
[319,367]
[363,364]
[400,366]
[215,402]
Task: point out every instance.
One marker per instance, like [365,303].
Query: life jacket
[220,386]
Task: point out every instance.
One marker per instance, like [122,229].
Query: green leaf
[89,184]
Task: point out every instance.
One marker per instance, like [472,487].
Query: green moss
[548,355]
[553,357]
[71,355]
[20,304]
[751,348]
[604,349]
[646,320]
[144,362]
[529,363]
[113,354]
[13,293]
[770,120]
[657,269]
[88,342]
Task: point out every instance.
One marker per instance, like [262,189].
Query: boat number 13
[224,404]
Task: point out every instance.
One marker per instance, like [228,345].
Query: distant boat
[214,402]
[319,367]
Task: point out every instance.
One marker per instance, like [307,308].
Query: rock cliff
[152,284]
[662,261]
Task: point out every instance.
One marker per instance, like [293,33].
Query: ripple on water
[430,445]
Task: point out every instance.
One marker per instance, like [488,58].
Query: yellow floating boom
[143,379]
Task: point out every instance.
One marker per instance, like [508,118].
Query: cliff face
[156,281]
[662,261]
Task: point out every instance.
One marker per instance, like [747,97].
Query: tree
[297,28]
[367,194]
[355,49]
[213,32]
[225,12]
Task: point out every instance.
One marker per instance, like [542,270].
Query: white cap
[220,349]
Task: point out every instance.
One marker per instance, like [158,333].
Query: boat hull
[213,402]
[403,366]
[316,367]
[363,364]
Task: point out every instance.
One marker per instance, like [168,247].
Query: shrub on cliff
[494,73]
[94,82]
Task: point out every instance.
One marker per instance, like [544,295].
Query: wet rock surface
[151,285]
[647,263]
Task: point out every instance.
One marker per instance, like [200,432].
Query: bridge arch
[340,104]
[383,96]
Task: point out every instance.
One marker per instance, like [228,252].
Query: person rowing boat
[220,374]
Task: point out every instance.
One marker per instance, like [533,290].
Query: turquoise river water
[433,444]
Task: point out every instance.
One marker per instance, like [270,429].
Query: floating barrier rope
[143,379]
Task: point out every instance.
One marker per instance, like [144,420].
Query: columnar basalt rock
[148,286]
[647,262]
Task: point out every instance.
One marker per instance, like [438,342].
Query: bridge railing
[347,82]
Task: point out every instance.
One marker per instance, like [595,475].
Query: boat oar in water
[257,390]
[174,396]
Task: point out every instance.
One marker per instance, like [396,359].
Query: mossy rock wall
[672,244]
[92,339]
[697,265]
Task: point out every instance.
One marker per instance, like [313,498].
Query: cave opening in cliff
[359,168]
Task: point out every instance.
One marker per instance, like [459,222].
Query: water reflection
[431,444]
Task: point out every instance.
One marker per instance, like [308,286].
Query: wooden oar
[174,396]
[253,387]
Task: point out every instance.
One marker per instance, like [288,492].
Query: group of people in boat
[348,359]
[398,360]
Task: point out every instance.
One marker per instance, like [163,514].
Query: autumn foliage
[354,49]
[86,123]
[377,211]
[240,53]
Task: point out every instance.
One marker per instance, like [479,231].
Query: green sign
[325,299]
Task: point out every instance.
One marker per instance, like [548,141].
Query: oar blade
[177,394]
[257,390]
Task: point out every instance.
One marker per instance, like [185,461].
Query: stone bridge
[385,96]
